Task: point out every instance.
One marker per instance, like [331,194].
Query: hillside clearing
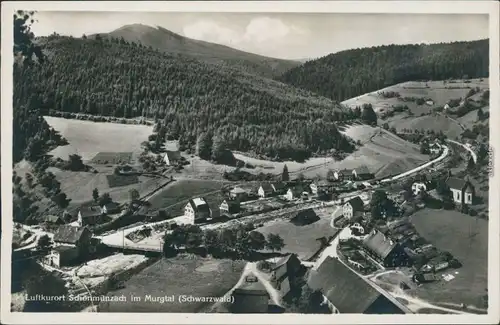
[87,139]
[440,92]
[78,186]
[433,122]
[183,275]
[466,238]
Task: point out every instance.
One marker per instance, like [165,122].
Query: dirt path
[273,293]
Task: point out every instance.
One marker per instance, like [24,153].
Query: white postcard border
[417,7]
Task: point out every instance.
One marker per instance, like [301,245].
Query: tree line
[350,73]
[109,77]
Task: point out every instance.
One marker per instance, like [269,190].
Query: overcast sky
[283,35]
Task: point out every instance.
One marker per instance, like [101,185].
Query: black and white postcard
[283,162]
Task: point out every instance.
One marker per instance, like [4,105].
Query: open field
[79,185]
[466,238]
[184,275]
[433,122]
[440,92]
[302,240]
[87,139]
[120,180]
[114,158]
[174,196]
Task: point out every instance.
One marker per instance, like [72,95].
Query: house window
[458,196]
[469,198]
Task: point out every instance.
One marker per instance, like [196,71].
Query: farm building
[53,220]
[430,102]
[197,210]
[229,207]
[63,255]
[265,190]
[71,243]
[89,215]
[304,217]
[172,157]
[77,236]
[353,207]
[294,193]
[418,187]
[238,193]
[462,190]
[346,293]
[285,269]
[344,175]
[111,208]
[384,250]
[251,297]
[424,277]
[279,188]
[362,173]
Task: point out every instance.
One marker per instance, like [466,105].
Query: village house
[462,190]
[70,243]
[53,220]
[430,102]
[294,193]
[249,298]
[354,207]
[110,208]
[237,193]
[197,210]
[434,148]
[172,157]
[344,175]
[384,250]
[362,173]
[265,190]
[286,269]
[345,292]
[418,187]
[446,107]
[229,207]
[321,186]
[89,216]
[279,188]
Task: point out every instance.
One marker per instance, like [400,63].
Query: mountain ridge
[172,43]
[350,73]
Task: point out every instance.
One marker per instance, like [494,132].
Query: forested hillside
[116,78]
[172,43]
[350,73]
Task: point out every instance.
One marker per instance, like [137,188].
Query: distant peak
[136,27]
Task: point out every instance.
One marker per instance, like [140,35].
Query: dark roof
[362,170]
[267,187]
[63,248]
[306,216]
[233,206]
[379,244]
[356,203]
[53,219]
[279,186]
[251,288]
[456,183]
[346,171]
[69,234]
[348,292]
[112,206]
[284,260]
[173,155]
[90,211]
